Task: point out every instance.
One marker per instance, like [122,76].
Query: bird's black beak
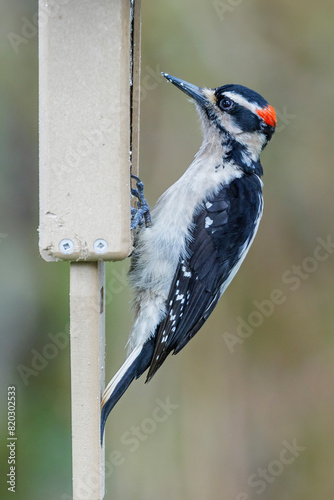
[191,90]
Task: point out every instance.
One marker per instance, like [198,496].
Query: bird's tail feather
[136,363]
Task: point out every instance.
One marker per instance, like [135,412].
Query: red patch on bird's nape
[268,115]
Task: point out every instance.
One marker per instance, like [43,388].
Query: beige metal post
[87,282]
[89,54]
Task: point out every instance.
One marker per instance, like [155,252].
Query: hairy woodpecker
[201,230]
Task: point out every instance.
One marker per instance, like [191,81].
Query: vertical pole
[87,304]
[89,72]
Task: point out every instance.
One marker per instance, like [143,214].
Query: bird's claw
[141,214]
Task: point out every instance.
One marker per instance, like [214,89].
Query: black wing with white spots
[222,232]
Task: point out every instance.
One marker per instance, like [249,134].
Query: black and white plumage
[202,228]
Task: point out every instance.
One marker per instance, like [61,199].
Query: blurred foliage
[235,410]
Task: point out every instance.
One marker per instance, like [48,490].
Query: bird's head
[237,113]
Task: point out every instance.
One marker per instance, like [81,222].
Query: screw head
[100,246]
[66,246]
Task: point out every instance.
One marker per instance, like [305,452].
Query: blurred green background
[252,414]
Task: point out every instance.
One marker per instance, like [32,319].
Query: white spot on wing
[208,222]
[186,274]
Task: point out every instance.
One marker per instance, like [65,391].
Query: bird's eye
[226,104]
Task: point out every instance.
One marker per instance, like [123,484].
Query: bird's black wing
[223,229]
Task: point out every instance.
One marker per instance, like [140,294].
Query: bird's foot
[141,214]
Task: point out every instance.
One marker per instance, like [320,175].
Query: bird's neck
[240,155]
[231,153]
